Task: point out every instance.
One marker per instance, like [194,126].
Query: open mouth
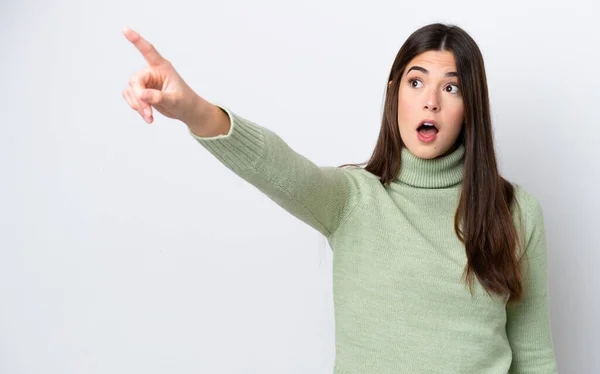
[427,129]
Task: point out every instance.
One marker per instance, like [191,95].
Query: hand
[158,85]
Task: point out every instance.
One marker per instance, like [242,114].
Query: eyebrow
[450,74]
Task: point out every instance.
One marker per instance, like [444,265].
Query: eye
[452,92]
[412,80]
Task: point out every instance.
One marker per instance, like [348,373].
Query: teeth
[428,124]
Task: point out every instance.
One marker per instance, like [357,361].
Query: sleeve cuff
[241,148]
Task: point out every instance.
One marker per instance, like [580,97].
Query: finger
[146,114]
[127,98]
[147,50]
[153,97]
[133,103]
[136,83]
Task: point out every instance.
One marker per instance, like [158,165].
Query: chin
[426,151]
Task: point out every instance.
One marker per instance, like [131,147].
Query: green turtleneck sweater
[400,302]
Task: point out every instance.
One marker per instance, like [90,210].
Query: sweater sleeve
[320,196]
[528,324]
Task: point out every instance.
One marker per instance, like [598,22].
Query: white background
[128,248]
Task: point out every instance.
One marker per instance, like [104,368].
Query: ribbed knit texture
[400,302]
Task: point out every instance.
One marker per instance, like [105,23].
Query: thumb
[156,97]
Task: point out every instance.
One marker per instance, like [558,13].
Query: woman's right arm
[322,197]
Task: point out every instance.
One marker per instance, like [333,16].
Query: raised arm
[320,196]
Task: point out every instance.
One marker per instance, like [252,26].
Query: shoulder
[359,172]
[529,203]
[361,176]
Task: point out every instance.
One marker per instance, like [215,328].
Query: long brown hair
[488,231]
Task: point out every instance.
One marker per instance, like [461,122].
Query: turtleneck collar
[438,172]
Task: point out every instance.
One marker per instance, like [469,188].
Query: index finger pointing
[147,50]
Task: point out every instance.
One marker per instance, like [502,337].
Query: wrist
[198,113]
[207,119]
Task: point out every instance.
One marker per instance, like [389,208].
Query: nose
[431,102]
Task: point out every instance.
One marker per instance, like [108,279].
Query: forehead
[443,61]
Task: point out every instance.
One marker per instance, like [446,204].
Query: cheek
[455,112]
[407,110]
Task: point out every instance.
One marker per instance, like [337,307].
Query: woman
[426,217]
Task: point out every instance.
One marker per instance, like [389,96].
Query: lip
[430,121]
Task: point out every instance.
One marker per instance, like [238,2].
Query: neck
[440,172]
[452,149]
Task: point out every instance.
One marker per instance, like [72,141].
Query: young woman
[439,263]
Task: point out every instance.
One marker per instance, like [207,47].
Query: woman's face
[429,91]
